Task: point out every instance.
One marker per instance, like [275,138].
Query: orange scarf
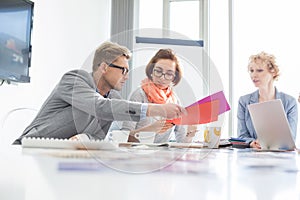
[157,95]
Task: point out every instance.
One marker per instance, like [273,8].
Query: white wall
[65,32]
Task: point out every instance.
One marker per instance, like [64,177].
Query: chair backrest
[13,124]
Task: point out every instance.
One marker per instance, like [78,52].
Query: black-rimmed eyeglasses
[124,69]
[168,76]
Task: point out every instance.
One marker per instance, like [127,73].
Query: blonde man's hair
[108,52]
[267,60]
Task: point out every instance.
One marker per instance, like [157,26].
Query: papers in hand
[199,114]
[204,111]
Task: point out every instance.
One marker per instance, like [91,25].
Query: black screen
[15,44]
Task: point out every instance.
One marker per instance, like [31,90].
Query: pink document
[204,111]
[224,106]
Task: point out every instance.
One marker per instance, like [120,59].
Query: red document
[199,114]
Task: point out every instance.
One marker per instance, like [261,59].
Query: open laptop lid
[271,125]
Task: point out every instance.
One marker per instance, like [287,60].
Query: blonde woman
[263,72]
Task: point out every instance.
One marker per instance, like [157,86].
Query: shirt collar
[105,95]
[255,95]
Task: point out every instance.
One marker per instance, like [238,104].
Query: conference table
[143,172]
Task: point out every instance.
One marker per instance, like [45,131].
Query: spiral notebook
[52,143]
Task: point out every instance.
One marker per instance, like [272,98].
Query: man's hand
[168,111]
[80,137]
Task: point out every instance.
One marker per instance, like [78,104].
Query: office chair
[13,124]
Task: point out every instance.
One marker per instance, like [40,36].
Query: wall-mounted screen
[16,18]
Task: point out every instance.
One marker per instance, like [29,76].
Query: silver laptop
[271,125]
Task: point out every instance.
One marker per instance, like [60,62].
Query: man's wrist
[153,110]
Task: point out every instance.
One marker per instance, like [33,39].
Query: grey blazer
[245,126]
[75,107]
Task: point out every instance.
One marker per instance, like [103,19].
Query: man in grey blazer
[85,104]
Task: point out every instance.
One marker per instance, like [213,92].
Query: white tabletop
[153,173]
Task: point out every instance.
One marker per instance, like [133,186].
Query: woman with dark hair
[163,72]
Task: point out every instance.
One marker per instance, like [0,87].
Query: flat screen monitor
[16,18]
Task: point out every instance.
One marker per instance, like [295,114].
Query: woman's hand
[255,144]
[160,126]
[191,131]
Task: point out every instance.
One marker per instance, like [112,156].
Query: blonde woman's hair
[267,60]
[108,52]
